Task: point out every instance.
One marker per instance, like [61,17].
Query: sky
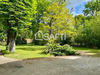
[78,6]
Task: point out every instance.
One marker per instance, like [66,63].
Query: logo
[40,36]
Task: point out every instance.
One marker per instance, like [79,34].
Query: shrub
[39,42]
[5,52]
[58,50]
[20,41]
[50,48]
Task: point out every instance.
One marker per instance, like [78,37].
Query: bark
[12,42]
[11,36]
[12,45]
[50,31]
[7,46]
[8,32]
[50,24]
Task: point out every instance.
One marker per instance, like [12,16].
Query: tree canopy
[16,15]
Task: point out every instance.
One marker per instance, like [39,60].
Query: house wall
[29,40]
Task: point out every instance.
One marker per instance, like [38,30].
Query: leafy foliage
[58,50]
[92,7]
[88,26]
[17,11]
[2,33]
[64,50]
[57,19]
[88,33]
[16,17]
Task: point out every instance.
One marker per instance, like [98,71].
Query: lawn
[90,50]
[25,52]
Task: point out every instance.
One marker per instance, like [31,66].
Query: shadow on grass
[43,53]
[83,48]
[29,49]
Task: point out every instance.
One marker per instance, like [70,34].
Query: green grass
[90,50]
[25,52]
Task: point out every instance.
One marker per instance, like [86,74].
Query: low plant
[5,52]
[58,50]
[50,47]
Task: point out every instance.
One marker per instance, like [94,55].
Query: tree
[88,25]
[92,31]
[92,7]
[42,5]
[79,21]
[88,33]
[15,16]
[57,19]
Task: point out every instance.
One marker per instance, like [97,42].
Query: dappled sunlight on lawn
[88,51]
[25,52]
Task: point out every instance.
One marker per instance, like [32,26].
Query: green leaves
[19,13]
[89,32]
[92,7]
[57,19]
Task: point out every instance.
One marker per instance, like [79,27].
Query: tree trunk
[8,35]
[12,42]
[50,24]
[7,46]
[12,45]
[11,36]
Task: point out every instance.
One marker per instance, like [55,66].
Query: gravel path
[4,60]
[67,65]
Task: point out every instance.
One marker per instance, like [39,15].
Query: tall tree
[16,15]
[42,5]
[79,21]
[92,31]
[57,19]
[88,33]
[92,7]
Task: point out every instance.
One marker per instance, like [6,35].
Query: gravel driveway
[68,65]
